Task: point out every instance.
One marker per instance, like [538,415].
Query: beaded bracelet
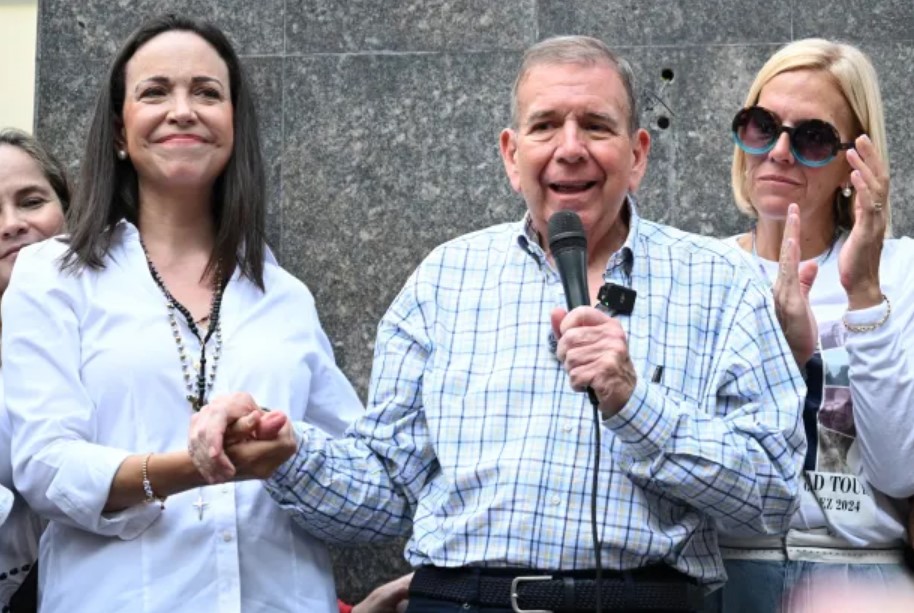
[147,486]
[870,327]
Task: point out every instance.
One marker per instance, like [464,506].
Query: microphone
[568,245]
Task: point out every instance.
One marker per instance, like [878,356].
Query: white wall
[18,27]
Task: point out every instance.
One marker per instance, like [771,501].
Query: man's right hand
[230,419]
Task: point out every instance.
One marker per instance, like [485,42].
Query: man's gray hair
[576,50]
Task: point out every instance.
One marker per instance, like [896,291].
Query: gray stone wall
[380,122]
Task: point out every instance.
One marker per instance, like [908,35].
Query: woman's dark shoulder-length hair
[107,191]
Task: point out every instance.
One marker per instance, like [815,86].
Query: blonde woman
[811,167]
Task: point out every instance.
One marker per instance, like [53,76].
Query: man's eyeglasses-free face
[813,142]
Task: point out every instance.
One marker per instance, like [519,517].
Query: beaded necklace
[196,382]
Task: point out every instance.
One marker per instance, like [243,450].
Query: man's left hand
[258,458]
[594,350]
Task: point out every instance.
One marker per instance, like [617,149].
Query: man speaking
[479,434]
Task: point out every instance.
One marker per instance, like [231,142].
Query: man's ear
[507,145]
[641,147]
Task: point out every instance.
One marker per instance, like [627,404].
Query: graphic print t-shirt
[834,494]
[832,470]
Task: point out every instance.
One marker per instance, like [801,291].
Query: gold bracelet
[870,327]
[147,486]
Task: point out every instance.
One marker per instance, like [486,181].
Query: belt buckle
[514,596]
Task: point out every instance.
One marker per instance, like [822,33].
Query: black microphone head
[568,245]
[566,232]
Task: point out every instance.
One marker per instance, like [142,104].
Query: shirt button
[568,427]
[556,501]
[227,536]
[225,489]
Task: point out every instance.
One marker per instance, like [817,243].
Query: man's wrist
[286,467]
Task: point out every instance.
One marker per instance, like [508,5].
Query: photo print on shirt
[836,478]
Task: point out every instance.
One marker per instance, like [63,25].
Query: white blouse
[92,375]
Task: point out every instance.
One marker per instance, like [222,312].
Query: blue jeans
[756,586]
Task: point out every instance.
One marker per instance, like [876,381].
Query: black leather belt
[655,589]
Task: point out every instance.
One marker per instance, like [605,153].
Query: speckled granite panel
[265,76]
[65,92]
[319,26]
[855,21]
[357,571]
[96,28]
[661,22]
[386,156]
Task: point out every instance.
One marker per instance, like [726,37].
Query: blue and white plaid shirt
[475,439]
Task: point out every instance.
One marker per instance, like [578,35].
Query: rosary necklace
[196,382]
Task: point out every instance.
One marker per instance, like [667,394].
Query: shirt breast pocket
[675,383]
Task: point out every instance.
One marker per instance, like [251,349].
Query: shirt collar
[529,239]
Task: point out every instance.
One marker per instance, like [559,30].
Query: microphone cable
[568,245]
[598,560]
[597,437]
[622,301]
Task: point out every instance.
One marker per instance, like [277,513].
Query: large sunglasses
[813,142]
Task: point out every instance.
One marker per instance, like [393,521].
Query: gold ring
[877,206]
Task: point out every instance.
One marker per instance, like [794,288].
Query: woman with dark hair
[163,297]
[34,194]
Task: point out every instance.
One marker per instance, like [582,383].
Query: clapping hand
[791,292]
[858,262]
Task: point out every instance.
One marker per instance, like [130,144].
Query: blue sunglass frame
[742,119]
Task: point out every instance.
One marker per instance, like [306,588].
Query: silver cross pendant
[200,505]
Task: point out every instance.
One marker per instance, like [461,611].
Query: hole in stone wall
[663,122]
[666,74]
